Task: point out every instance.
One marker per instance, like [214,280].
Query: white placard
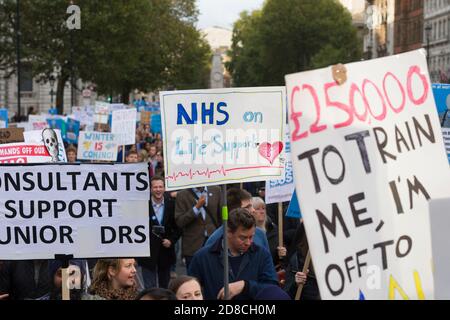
[367,157]
[124,126]
[220,136]
[35,136]
[97,146]
[102,107]
[440,241]
[281,190]
[85,115]
[38,122]
[87,210]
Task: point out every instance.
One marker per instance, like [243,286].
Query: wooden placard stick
[305,268]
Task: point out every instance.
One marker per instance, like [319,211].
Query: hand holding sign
[201,202]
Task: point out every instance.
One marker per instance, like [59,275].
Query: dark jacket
[256,269]
[193,226]
[296,260]
[159,255]
[272,239]
[289,224]
[18,279]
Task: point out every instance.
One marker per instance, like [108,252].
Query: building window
[26,78]
[434,31]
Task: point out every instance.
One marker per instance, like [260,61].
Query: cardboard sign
[90,211]
[145,116]
[281,190]
[11,135]
[124,126]
[222,136]
[97,146]
[367,156]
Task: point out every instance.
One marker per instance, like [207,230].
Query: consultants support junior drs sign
[86,210]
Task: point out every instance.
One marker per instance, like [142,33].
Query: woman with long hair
[114,279]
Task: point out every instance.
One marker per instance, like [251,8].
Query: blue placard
[293,210]
[155,123]
[72,131]
[441,92]
[58,124]
[53,111]
[4,116]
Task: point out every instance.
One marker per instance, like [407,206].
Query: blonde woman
[271,229]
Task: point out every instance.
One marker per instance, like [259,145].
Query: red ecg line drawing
[208,173]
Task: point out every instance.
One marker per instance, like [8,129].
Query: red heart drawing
[270,151]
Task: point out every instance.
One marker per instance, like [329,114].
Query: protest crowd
[165,202]
[186,238]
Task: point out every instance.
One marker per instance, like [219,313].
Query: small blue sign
[293,210]
[72,131]
[53,111]
[441,92]
[58,124]
[155,123]
[4,116]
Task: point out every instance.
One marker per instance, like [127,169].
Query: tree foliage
[288,36]
[121,46]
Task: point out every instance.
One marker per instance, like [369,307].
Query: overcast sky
[223,13]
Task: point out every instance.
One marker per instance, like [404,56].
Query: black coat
[18,279]
[159,255]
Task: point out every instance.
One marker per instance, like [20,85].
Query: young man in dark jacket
[250,267]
